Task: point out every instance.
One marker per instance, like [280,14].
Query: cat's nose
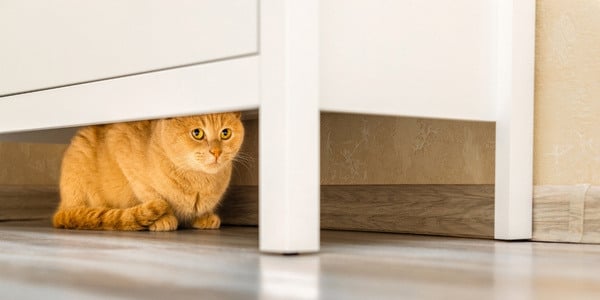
[215,152]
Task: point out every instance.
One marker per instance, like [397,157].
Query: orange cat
[148,175]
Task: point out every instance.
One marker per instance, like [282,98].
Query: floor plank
[39,261]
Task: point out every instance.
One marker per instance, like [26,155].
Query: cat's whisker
[244,157]
[242,165]
[244,160]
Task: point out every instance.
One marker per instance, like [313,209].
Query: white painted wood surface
[433,59]
[514,123]
[224,86]
[54,43]
[289,127]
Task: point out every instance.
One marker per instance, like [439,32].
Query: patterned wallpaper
[359,149]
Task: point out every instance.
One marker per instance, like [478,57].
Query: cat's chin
[213,168]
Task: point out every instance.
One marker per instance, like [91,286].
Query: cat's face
[205,143]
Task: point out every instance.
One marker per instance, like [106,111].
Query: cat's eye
[198,134]
[226,133]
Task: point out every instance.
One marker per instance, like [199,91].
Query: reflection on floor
[37,261]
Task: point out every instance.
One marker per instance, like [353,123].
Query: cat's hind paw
[165,223]
[207,221]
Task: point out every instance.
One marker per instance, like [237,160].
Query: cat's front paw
[207,221]
[167,222]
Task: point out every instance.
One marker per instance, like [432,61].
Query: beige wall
[30,164]
[358,149]
[390,150]
[567,108]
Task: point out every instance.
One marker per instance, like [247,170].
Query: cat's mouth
[215,161]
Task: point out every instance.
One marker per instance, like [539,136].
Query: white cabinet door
[46,44]
[413,58]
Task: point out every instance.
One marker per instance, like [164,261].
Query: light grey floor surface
[37,261]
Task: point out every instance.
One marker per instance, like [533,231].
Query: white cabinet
[69,63]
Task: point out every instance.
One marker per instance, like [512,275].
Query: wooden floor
[37,261]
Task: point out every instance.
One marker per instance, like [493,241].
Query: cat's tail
[134,218]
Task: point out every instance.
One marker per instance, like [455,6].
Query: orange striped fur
[149,175]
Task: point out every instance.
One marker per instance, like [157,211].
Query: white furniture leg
[514,126]
[289,127]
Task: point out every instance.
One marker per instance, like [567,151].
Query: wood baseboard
[18,202]
[566,213]
[451,210]
[560,213]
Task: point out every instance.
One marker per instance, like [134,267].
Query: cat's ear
[238,114]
